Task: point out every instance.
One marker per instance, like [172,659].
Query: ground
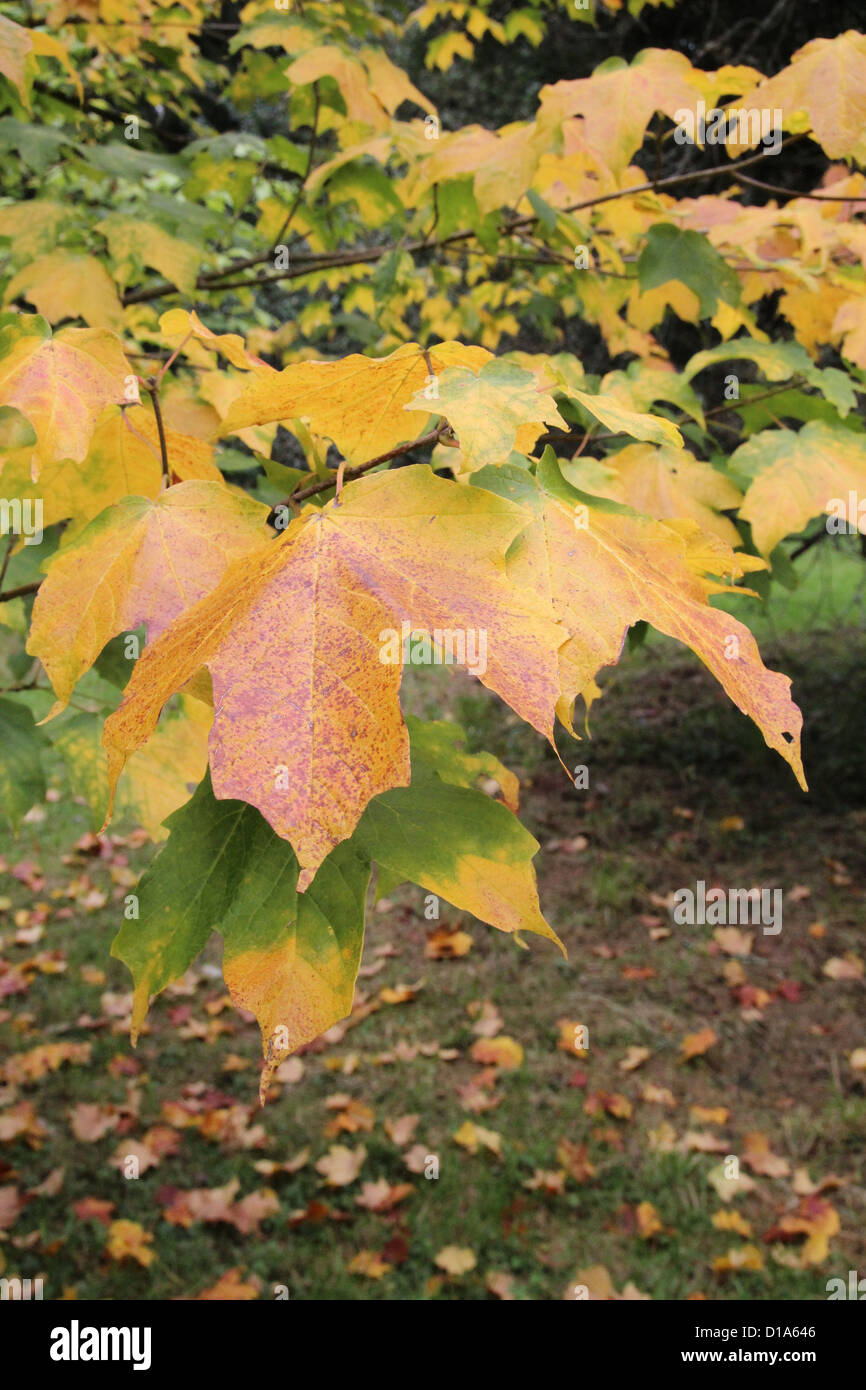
[680,789]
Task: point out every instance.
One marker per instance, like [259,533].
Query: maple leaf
[639,386]
[621,420]
[438,743]
[11,1206]
[796,475]
[358,402]
[62,383]
[123,460]
[340,1166]
[23,1067]
[20,1122]
[746,1257]
[132,242]
[847,967]
[158,779]
[128,1240]
[616,103]
[778,362]
[758,1155]
[574,1158]
[180,323]
[90,1121]
[444,944]
[604,570]
[94,1209]
[732,1221]
[298,979]
[734,941]
[350,76]
[480,856]
[685,256]
[143,1155]
[382,1195]
[497,1282]
[402,1129]
[826,79]
[32,224]
[696,1044]
[368,1262]
[502,1052]
[16,46]
[114,577]
[472,1136]
[489,409]
[232,1287]
[22,781]
[437,565]
[665,483]
[62,285]
[816,1219]
[290,958]
[595,1284]
[647,1219]
[634,1058]
[456,1259]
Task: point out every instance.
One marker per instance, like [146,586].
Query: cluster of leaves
[557,508]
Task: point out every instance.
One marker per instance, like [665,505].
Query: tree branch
[349,473]
[151,385]
[20,591]
[306,265]
[795,193]
[807,544]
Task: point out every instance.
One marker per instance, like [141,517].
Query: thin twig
[20,591]
[6,558]
[795,193]
[311,154]
[349,473]
[807,544]
[181,345]
[151,385]
[139,435]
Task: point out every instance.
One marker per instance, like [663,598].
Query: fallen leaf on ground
[696,1044]
[747,1257]
[231,1287]
[472,1137]
[128,1240]
[369,1263]
[340,1165]
[502,1052]
[455,1259]
[382,1195]
[634,1058]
